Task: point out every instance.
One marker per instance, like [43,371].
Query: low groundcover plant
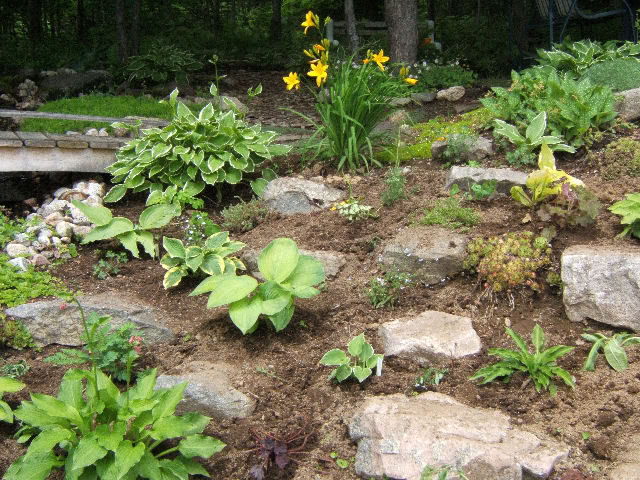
[360,367]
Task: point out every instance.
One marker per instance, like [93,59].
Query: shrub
[619,74]
[161,64]
[508,261]
[244,216]
[191,152]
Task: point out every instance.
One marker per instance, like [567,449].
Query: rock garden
[449,292]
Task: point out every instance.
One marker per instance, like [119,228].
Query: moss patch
[621,157]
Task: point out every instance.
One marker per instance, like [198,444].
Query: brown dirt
[604,404]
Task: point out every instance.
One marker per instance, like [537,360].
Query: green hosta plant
[191,152]
[629,210]
[359,367]
[211,258]
[540,366]
[544,182]
[8,385]
[613,348]
[287,274]
[123,229]
[163,62]
[107,434]
[533,138]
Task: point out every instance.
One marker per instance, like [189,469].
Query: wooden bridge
[43,152]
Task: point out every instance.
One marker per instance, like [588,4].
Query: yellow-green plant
[544,182]
[8,385]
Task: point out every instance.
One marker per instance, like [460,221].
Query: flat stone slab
[35,139]
[332,261]
[9,139]
[77,159]
[209,391]
[399,436]
[59,322]
[431,253]
[430,337]
[602,284]
[465,177]
[289,195]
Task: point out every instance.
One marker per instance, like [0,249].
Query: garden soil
[280,371]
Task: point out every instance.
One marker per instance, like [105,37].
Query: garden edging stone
[289,195]
[505,178]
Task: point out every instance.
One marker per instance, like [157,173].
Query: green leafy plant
[431,376]
[191,152]
[164,62]
[244,216]
[359,367]
[458,147]
[106,433]
[14,334]
[620,157]
[629,210]
[114,350]
[574,205]
[540,366]
[483,190]
[613,348]
[287,274]
[383,291]
[124,230]
[353,210]
[575,107]
[395,180]
[15,370]
[199,228]
[577,58]
[342,463]
[17,287]
[210,259]
[450,213]
[508,261]
[108,264]
[432,76]
[9,228]
[8,385]
[544,182]
[533,138]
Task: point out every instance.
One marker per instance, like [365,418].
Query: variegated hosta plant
[192,151]
[287,274]
[211,258]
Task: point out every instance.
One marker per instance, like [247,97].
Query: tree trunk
[276,20]
[123,54]
[402,21]
[350,17]
[134,30]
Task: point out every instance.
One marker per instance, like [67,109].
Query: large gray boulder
[289,195]
[430,337]
[628,105]
[399,436]
[602,284]
[431,253]
[627,465]
[505,178]
[210,391]
[473,148]
[70,83]
[56,322]
[451,94]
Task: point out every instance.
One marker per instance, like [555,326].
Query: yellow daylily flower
[292,80]
[319,70]
[404,71]
[380,59]
[319,48]
[308,22]
[365,61]
[411,81]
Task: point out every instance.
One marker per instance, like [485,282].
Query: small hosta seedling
[430,377]
[359,367]
[613,348]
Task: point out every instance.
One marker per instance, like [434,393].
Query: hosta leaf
[361,373]
[192,171]
[207,285]
[269,174]
[115,194]
[10,385]
[160,149]
[239,163]
[356,344]
[231,289]
[278,259]
[193,188]
[115,227]
[281,319]
[172,277]
[334,357]
[308,272]
[129,241]
[536,128]
[206,113]
[96,214]
[244,313]
[212,264]
[274,297]
[343,372]
[241,150]
[616,356]
[146,240]
[210,178]
[277,150]
[232,175]
[174,247]
[214,163]
[216,240]
[87,453]
[194,257]
[200,446]
[258,185]
[157,216]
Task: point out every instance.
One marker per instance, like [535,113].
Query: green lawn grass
[102,105]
